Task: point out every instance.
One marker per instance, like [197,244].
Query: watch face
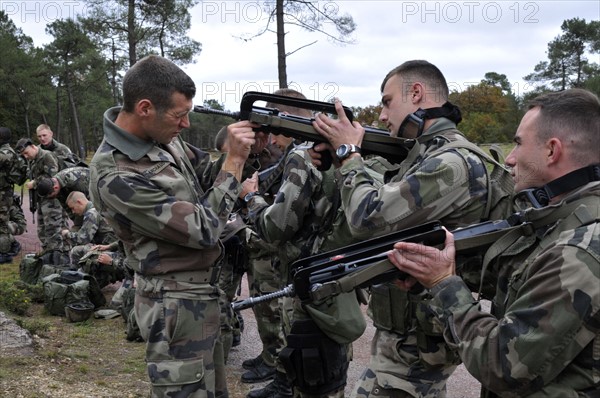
[342,151]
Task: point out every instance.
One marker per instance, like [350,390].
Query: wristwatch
[346,150]
[250,195]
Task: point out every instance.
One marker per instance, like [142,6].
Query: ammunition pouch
[390,308]
[313,362]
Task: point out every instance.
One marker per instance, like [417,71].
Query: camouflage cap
[45,187]
[22,144]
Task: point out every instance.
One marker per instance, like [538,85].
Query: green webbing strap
[503,243]
[353,280]
[573,215]
[475,149]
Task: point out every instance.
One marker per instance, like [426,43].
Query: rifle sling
[351,281]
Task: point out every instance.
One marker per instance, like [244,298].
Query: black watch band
[250,195]
[346,150]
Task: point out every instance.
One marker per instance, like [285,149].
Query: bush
[14,298]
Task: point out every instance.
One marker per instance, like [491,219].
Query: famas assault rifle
[364,264]
[271,120]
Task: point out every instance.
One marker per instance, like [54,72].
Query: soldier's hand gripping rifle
[375,141]
[366,263]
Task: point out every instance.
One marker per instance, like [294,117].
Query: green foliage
[13,298]
[568,65]
[35,326]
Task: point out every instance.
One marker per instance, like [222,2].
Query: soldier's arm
[280,221]
[541,332]
[88,229]
[437,188]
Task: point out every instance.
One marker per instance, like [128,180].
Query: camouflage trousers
[263,278]
[6,202]
[398,367]
[229,282]
[51,219]
[184,355]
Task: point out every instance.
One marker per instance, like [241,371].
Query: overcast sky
[465,39]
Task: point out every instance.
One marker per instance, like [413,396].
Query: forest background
[70,82]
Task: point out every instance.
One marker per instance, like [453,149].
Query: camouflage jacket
[153,198]
[7,157]
[93,230]
[72,179]
[59,150]
[543,336]
[44,165]
[301,209]
[450,186]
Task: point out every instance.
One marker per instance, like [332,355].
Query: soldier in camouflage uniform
[17,224]
[237,259]
[45,136]
[93,231]
[409,357]
[8,160]
[297,222]
[50,219]
[542,337]
[157,193]
[62,184]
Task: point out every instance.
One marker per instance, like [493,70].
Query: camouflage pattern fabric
[17,223]
[411,356]
[542,338]
[263,279]
[73,179]
[300,214]
[7,158]
[170,227]
[50,215]
[57,148]
[257,252]
[50,221]
[93,230]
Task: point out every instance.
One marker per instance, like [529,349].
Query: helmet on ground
[79,311]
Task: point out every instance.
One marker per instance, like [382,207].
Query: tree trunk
[281,56]
[131,34]
[78,135]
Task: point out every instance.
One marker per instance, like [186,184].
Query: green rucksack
[499,204]
[57,293]
[29,269]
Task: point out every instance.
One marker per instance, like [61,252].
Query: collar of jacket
[127,143]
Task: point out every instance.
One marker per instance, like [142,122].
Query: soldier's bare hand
[250,185]
[426,264]
[339,131]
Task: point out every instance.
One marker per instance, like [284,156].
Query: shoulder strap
[495,160]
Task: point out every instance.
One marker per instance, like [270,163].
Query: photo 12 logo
[469,11]
[42,12]
[250,11]
[230,93]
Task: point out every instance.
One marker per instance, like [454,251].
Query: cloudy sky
[465,39]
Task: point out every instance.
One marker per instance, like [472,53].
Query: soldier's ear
[144,107]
